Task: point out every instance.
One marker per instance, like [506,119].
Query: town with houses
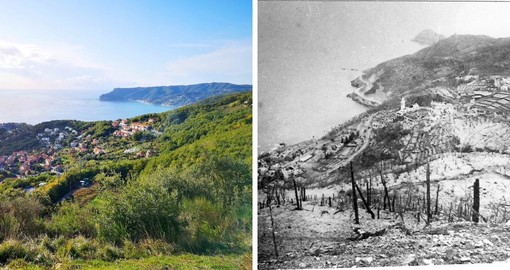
[461,134]
[23,163]
[428,130]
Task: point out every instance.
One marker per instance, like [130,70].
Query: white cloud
[19,56]
[231,61]
[61,66]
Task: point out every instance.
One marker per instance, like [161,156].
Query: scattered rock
[317,252]
[449,254]
[465,259]
[428,262]
[487,242]
[303,265]
[409,259]
[366,260]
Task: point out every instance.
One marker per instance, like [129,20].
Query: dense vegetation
[193,195]
[175,95]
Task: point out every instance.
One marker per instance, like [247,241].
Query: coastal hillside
[175,95]
[438,65]
[421,178]
[160,190]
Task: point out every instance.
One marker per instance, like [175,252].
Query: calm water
[303,50]
[35,106]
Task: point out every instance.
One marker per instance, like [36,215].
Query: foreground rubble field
[317,237]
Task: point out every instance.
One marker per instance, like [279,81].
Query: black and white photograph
[383,134]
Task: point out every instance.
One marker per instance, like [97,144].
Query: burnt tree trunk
[393,202]
[476,200]
[354,198]
[429,214]
[386,195]
[437,201]
[297,197]
[274,235]
[369,194]
[365,202]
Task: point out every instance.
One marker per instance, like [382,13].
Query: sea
[36,106]
[308,53]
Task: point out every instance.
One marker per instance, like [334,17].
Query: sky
[97,44]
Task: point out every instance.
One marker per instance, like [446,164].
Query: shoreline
[361,100]
[358,94]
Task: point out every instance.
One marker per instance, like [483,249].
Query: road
[366,141]
[367,86]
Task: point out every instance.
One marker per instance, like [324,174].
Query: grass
[176,262]
[184,261]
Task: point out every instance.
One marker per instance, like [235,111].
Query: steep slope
[176,95]
[439,64]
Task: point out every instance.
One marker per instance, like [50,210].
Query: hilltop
[427,37]
[175,95]
[438,65]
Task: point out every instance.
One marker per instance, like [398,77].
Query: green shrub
[131,250]
[210,230]
[156,247]
[71,220]
[109,252]
[146,208]
[78,248]
[13,249]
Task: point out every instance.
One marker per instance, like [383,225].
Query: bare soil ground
[312,238]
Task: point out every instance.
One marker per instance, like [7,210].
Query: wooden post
[476,200]
[354,197]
